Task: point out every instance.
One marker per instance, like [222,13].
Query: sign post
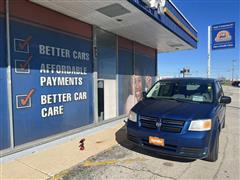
[209,52]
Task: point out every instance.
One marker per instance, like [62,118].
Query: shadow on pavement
[121,138]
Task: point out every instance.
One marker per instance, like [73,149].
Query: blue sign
[4,116]
[223,36]
[51,81]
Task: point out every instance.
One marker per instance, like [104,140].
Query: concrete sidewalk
[48,162]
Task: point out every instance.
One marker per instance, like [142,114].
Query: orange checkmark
[26,99]
[25,63]
[25,42]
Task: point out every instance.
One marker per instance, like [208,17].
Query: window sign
[52,81]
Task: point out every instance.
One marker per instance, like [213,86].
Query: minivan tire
[213,154]
[223,126]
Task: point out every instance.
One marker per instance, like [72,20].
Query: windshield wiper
[178,99]
[151,98]
[189,101]
[182,100]
[165,98]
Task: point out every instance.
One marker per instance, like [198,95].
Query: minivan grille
[167,125]
[148,122]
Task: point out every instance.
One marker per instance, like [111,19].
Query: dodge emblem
[159,123]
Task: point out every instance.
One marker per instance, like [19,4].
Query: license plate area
[156,141]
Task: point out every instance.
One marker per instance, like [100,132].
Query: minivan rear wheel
[213,154]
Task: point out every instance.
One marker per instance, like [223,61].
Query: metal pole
[233,69]
[209,52]
[9,78]
[117,77]
[95,77]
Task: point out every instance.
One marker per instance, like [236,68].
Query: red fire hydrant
[81,146]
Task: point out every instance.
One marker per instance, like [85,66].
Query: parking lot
[126,161]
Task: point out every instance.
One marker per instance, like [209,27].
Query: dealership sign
[156,4]
[223,36]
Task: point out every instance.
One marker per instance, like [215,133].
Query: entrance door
[107,70]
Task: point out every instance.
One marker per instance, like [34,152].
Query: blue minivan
[180,117]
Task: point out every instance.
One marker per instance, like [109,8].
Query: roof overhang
[132,19]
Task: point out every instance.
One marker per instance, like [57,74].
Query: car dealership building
[70,65]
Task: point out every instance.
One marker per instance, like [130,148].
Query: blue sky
[202,13]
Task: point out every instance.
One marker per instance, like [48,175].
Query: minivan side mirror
[225,100]
[144,94]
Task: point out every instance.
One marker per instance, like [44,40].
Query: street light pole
[184,71]
[233,69]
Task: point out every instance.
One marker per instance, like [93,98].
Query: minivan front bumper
[190,144]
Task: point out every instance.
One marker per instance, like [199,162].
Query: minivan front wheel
[213,154]
[223,126]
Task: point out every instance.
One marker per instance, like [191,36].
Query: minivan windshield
[200,92]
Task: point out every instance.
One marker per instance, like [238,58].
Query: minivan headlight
[200,125]
[132,116]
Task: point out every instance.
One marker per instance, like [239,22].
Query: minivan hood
[173,109]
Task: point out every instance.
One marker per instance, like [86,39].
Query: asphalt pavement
[126,161]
